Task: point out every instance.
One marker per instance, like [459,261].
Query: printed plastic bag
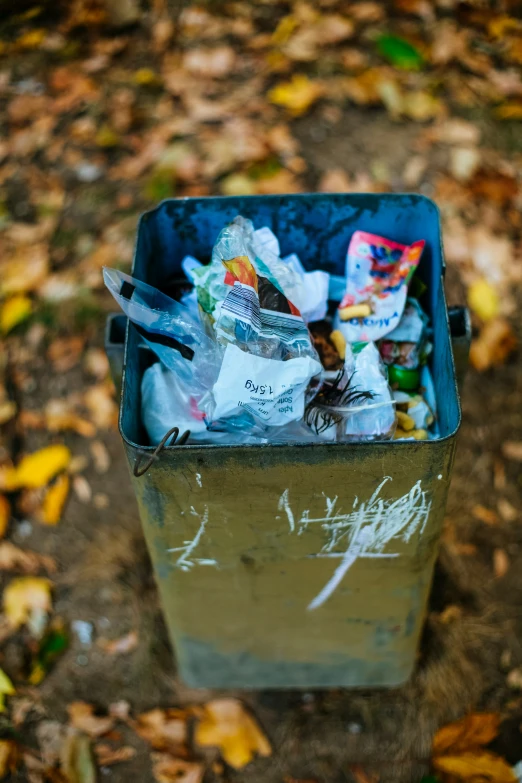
[166,402]
[378,271]
[406,345]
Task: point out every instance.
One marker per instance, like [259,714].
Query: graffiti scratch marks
[186,561]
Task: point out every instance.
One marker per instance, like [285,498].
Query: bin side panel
[295,566]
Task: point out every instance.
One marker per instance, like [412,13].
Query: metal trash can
[294,565]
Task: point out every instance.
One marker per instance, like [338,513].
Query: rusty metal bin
[264,576]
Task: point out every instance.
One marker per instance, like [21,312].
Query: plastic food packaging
[358,405]
[378,271]
[406,346]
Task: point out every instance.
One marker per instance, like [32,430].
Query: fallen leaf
[361,775]
[96,363]
[500,563]
[106,755]
[50,735]
[53,644]
[454,131]
[122,646]
[494,186]
[209,63]
[282,182]
[414,171]
[514,679]
[5,515]
[8,757]
[65,353]
[8,410]
[493,346]
[100,402]
[12,558]
[512,110]
[14,311]
[82,489]
[226,724]
[297,95]
[6,689]
[471,731]
[82,717]
[76,758]
[170,770]
[24,271]
[508,512]
[421,106]
[37,469]
[164,729]
[60,416]
[399,52]
[483,514]
[367,11]
[100,456]
[335,181]
[483,299]
[450,614]
[27,600]
[54,500]
[237,185]
[120,710]
[512,449]
[464,162]
[475,765]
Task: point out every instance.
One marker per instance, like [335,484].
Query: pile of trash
[262,351]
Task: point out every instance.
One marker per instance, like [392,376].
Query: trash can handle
[460,331]
[140,470]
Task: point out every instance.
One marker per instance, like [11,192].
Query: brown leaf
[106,755]
[514,679]
[100,455]
[5,515]
[335,181]
[512,449]
[226,724]
[494,186]
[100,402]
[282,182]
[120,710]
[471,731]
[361,776]
[65,353]
[14,559]
[60,416]
[122,646]
[486,515]
[500,563]
[9,757]
[214,63]
[508,512]
[164,729]
[169,770]
[25,270]
[76,758]
[82,717]
[494,345]
[476,765]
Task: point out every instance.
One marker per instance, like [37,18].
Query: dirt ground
[474,626]
[473,633]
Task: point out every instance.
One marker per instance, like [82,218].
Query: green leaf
[399,52]
[53,644]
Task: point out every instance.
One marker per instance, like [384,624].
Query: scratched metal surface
[305,565]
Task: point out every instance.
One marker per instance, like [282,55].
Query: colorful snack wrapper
[378,271]
[406,345]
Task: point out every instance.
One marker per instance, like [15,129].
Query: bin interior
[318,228]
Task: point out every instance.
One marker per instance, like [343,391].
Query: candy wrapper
[406,346]
[378,271]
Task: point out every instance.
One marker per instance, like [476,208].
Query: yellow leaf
[483,299]
[5,513]
[512,110]
[226,724]
[284,30]
[8,757]
[476,765]
[468,732]
[146,77]
[31,39]
[54,500]
[37,469]
[27,599]
[106,137]
[495,343]
[6,689]
[296,95]
[14,311]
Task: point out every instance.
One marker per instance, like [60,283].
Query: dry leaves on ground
[82,717]
[27,600]
[459,754]
[164,730]
[226,724]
